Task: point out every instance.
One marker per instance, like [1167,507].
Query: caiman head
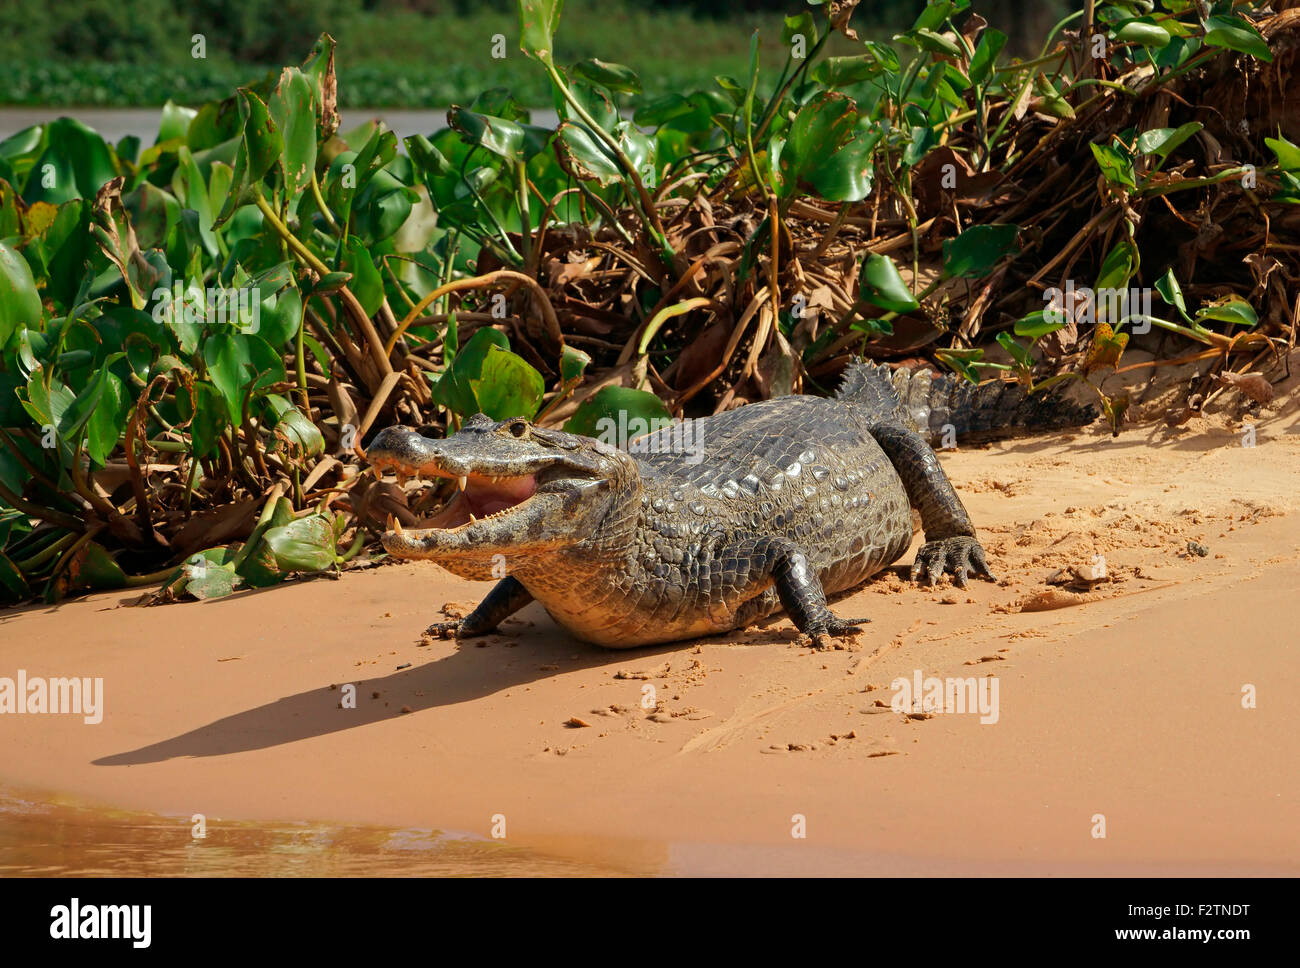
[522,491]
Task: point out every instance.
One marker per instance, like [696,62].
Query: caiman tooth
[461,482]
[472,519]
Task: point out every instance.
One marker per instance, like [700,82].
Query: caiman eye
[518,428]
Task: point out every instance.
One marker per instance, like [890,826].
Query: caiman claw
[828,637]
[959,556]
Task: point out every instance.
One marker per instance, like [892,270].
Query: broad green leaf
[1171,292]
[20,302]
[573,362]
[107,421]
[986,55]
[94,567]
[615,77]
[292,107]
[1163,141]
[937,43]
[76,163]
[847,175]
[507,385]
[976,251]
[367,284]
[453,389]
[1236,33]
[1039,324]
[1018,353]
[922,140]
[1288,154]
[595,101]
[236,360]
[800,25]
[499,103]
[610,408]
[821,126]
[175,121]
[537,22]
[306,544]
[1118,266]
[1144,32]
[1233,311]
[583,156]
[260,147]
[206,579]
[509,139]
[90,400]
[1114,164]
[843,71]
[293,430]
[883,286]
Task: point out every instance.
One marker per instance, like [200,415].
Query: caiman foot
[460,629]
[444,630]
[828,637]
[506,598]
[959,556]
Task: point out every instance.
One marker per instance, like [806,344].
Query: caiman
[768,507]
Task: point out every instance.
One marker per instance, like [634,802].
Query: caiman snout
[409,452]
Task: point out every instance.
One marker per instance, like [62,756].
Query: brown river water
[58,837]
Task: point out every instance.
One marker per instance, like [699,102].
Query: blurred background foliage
[402,53]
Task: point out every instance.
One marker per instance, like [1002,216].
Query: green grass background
[404,53]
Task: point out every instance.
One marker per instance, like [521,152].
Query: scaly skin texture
[705,528]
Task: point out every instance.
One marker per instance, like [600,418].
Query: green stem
[65,521]
[358,541]
[647,204]
[1185,183]
[525,220]
[301,353]
[282,230]
[320,204]
[139,581]
[45,554]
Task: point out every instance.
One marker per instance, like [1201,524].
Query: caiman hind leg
[950,543]
[506,597]
[763,559]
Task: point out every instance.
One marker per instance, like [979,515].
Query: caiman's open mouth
[507,487]
[477,497]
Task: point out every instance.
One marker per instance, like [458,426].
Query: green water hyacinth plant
[199,335]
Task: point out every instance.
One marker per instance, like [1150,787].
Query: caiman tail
[933,403]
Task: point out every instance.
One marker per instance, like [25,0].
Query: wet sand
[1122,702]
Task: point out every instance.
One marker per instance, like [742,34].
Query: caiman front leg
[950,543]
[506,597]
[778,561]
